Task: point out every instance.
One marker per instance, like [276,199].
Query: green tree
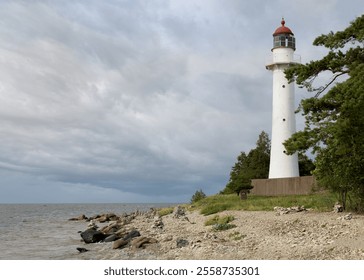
[334,126]
[259,157]
[198,195]
[251,166]
[305,164]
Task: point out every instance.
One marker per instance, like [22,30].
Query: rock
[112,228]
[79,218]
[151,213]
[127,220]
[179,212]
[210,236]
[92,225]
[158,222]
[111,238]
[121,232]
[297,208]
[338,208]
[92,236]
[346,217]
[112,217]
[119,243]
[168,238]
[152,240]
[94,217]
[102,219]
[81,250]
[106,217]
[140,241]
[182,242]
[281,210]
[134,233]
[293,209]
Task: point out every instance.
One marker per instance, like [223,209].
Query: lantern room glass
[286,41]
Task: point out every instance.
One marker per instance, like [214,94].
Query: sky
[140,101]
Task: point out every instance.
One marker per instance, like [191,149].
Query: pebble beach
[260,235]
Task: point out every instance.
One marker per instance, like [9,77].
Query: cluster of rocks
[158,222]
[294,209]
[179,212]
[338,208]
[346,217]
[116,231]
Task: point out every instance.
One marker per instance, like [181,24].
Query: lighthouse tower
[283,116]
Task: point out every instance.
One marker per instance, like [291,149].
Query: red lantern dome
[282,29]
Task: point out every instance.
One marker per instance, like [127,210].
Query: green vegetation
[220,223]
[218,203]
[249,166]
[165,211]
[220,227]
[198,196]
[255,165]
[236,235]
[219,220]
[334,127]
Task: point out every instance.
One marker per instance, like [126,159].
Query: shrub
[165,211]
[220,223]
[217,220]
[199,195]
[219,227]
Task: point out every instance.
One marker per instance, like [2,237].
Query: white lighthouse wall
[283,117]
[283,55]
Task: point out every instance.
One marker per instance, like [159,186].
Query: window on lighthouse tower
[284,41]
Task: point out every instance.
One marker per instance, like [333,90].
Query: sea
[43,231]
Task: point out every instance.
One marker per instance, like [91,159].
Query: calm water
[42,231]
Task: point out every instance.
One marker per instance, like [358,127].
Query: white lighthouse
[283,116]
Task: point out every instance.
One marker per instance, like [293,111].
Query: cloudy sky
[140,101]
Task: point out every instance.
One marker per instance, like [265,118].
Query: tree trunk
[343,198]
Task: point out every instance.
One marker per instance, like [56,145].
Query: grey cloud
[131,98]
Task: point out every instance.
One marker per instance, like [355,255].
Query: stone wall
[283,186]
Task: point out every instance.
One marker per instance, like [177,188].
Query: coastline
[257,235]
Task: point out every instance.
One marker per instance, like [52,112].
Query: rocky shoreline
[285,233]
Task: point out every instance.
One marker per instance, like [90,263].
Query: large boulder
[111,238]
[92,236]
[140,242]
[120,243]
[111,228]
[134,233]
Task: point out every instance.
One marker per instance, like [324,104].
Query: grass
[237,235]
[165,211]
[220,223]
[320,202]
[219,220]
